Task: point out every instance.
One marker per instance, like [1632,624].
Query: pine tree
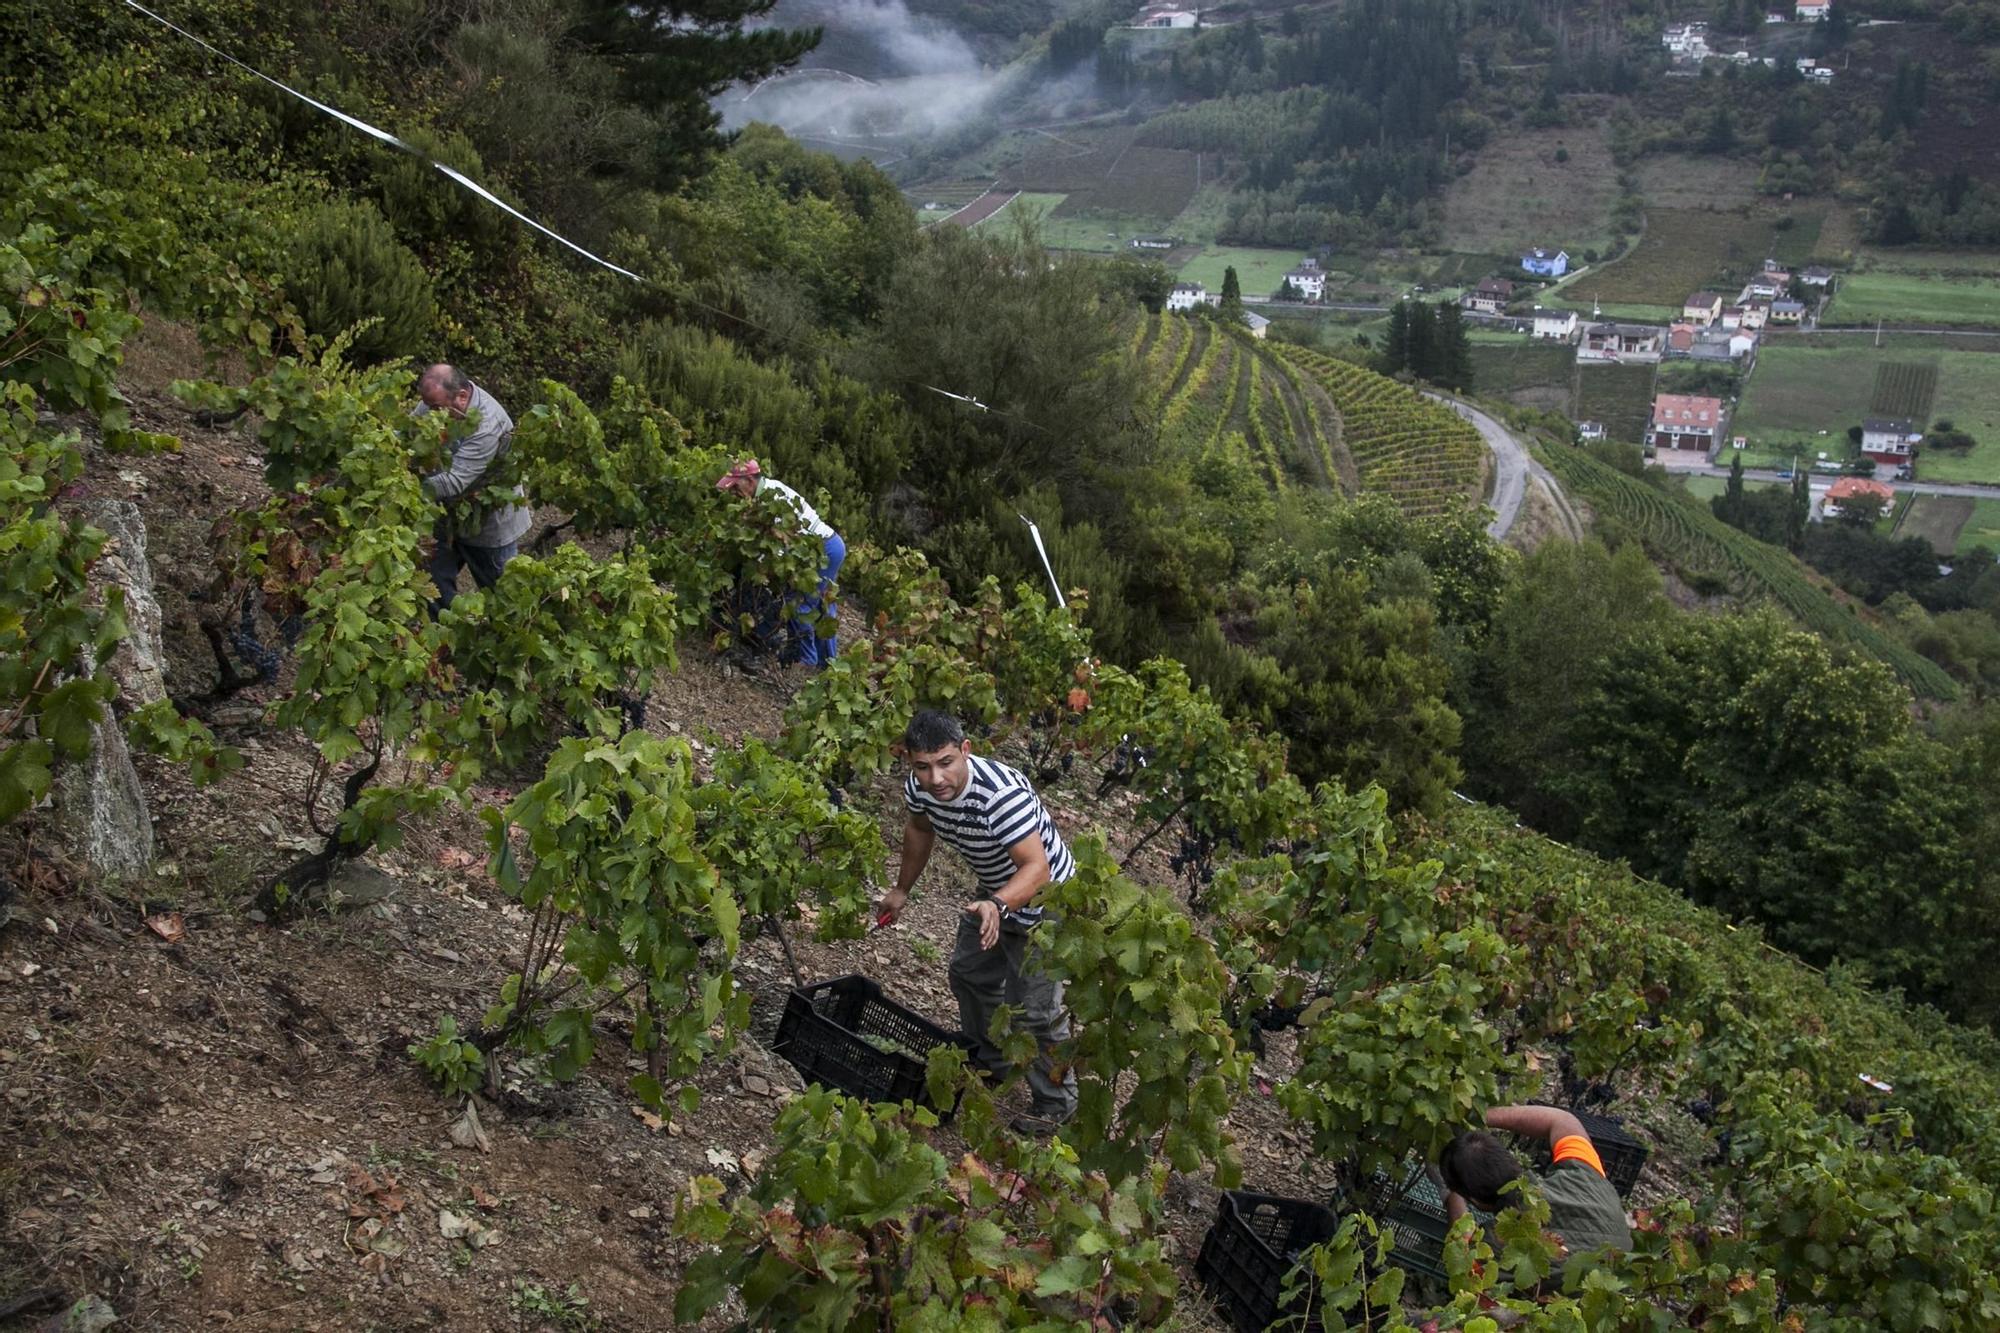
[1396,342]
[674,57]
[1453,349]
[1232,296]
[1422,361]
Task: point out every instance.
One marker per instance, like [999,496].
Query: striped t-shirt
[996,810]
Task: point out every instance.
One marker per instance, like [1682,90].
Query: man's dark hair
[930,731]
[1477,1166]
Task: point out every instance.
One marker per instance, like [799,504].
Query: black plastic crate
[824,1035]
[1624,1157]
[1410,1208]
[1256,1240]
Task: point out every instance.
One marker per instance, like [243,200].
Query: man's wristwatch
[996,900]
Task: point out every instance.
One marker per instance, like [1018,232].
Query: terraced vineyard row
[1685,534]
[1421,453]
[1218,391]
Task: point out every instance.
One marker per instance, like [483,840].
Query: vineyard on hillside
[255,1108]
[1419,452]
[1706,551]
[1216,390]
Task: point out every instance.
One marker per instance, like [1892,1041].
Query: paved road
[1511,465]
[1973,489]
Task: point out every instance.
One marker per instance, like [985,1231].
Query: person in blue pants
[747,479]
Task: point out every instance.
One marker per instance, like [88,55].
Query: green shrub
[348,266]
[425,207]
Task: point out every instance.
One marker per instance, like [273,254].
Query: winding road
[1512,467]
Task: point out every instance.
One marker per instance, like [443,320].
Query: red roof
[1849,487]
[1683,411]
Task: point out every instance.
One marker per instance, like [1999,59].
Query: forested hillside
[452,931]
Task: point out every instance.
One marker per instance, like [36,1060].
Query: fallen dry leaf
[457,858]
[484,1200]
[648,1119]
[168,926]
[467,1132]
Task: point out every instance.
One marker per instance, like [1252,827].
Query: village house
[1849,489]
[1160,16]
[1703,308]
[1153,242]
[1686,41]
[1755,315]
[1680,339]
[1787,312]
[1768,285]
[1686,421]
[1741,344]
[1546,263]
[1818,275]
[1812,11]
[1732,318]
[1257,324]
[1890,439]
[1308,281]
[1490,297]
[1188,295]
[1623,344]
[1589,430]
[1555,325]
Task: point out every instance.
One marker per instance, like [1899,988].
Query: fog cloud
[881,72]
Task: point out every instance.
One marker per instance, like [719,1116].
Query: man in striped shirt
[989,814]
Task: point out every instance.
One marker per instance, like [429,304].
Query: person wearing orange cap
[747,479]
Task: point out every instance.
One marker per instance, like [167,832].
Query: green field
[1036,206]
[1949,262]
[1683,250]
[1968,395]
[1806,398]
[1619,396]
[1982,529]
[1257,271]
[1914,298]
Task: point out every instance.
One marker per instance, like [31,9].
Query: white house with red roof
[1849,489]
[1890,439]
[1812,11]
[1686,421]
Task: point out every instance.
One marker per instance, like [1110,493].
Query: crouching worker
[747,479]
[1585,1211]
[989,814]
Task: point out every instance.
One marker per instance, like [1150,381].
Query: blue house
[1545,263]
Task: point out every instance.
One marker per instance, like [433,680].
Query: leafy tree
[1362,696]
[1568,608]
